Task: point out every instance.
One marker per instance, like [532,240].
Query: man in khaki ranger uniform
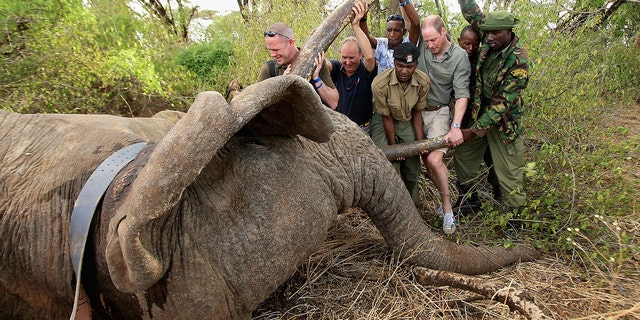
[400,95]
[502,74]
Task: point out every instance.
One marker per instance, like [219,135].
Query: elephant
[217,210]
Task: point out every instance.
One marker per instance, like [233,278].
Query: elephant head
[245,192]
[216,212]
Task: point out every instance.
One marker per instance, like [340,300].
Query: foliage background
[109,56]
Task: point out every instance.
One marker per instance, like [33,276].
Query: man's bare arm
[360,9]
[414,21]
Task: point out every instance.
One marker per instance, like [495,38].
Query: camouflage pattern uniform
[496,122]
[506,103]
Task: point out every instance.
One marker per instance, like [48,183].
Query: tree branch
[515,299]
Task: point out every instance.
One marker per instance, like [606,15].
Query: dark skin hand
[470,134]
[416,120]
[467,134]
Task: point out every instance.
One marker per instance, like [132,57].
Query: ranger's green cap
[498,20]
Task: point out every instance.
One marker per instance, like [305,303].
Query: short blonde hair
[348,40]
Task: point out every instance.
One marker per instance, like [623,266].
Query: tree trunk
[578,19]
[612,8]
[166,14]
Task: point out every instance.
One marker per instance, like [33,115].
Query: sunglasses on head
[272,34]
[395,17]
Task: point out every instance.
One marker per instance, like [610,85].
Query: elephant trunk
[395,215]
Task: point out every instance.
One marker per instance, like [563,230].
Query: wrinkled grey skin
[210,218]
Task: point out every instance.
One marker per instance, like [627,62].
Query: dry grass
[354,277]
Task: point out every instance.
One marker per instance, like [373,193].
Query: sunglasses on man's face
[395,17]
[272,34]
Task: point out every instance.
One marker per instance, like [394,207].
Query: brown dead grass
[354,276]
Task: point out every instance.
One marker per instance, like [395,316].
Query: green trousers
[508,162]
[409,169]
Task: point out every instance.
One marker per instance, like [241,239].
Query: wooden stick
[515,299]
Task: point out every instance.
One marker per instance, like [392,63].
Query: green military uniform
[390,98]
[497,108]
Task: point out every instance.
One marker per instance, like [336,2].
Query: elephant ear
[278,117]
[285,105]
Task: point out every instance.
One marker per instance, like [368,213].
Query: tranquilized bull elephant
[210,218]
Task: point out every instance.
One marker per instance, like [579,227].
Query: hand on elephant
[287,71]
[360,11]
[319,62]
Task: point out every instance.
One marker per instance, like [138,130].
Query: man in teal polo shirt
[502,74]
[448,68]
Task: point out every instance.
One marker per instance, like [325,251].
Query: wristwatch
[456,125]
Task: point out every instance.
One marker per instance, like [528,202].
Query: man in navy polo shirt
[353,74]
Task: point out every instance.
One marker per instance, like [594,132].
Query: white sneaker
[440,212]
[449,223]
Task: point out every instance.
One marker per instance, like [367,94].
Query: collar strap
[87,202]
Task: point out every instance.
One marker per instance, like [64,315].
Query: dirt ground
[354,276]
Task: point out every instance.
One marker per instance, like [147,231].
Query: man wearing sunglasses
[395,34]
[281,44]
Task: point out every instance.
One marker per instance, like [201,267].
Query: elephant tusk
[411,149]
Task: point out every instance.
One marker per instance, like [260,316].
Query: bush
[580,87]
[210,62]
[76,65]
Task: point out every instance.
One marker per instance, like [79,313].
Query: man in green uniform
[400,95]
[502,74]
